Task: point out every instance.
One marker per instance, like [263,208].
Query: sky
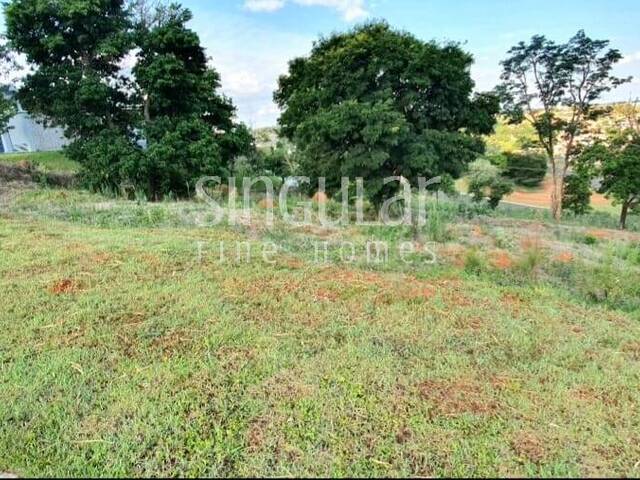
[251,41]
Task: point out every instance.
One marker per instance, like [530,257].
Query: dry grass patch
[65,286]
[452,398]
[530,447]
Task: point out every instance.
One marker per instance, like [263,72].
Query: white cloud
[239,82]
[630,58]
[263,5]
[350,10]
[249,57]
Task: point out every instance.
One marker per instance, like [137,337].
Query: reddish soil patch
[320,197]
[477,231]
[541,197]
[514,302]
[266,203]
[101,258]
[585,394]
[454,254]
[564,257]
[420,291]
[529,446]
[531,243]
[457,398]
[64,286]
[352,277]
[501,260]
[600,234]
[326,295]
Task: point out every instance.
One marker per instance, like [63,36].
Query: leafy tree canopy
[540,76]
[620,170]
[376,102]
[171,102]
[188,125]
[76,46]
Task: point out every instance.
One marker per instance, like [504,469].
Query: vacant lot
[128,348]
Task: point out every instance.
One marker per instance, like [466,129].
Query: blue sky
[251,41]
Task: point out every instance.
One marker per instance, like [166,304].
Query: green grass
[48,161]
[129,349]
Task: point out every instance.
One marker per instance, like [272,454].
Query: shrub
[437,223]
[577,194]
[485,180]
[179,153]
[108,161]
[532,258]
[526,169]
[474,263]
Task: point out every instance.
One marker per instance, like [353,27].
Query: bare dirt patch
[454,254]
[541,197]
[454,398]
[320,197]
[632,349]
[564,257]
[501,260]
[266,203]
[326,295]
[404,435]
[529,446]
[64,286]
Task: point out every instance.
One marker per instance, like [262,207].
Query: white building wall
[24,134]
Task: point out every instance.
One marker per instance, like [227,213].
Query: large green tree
[76,47]
[170,102]
[616,162]
[375,102]
[540,77]
[188,125]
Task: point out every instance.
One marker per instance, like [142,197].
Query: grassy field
[129,348]
[48,161]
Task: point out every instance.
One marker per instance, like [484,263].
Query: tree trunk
[147,109]
[623,215]
[556,195]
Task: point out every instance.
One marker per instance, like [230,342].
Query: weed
[474,262]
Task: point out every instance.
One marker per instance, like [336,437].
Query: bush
[531,260]
[577,194]
[474,263]
[485,180]
[437,223]
[179,153]
[526,169]
[108,161]
[278,160]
